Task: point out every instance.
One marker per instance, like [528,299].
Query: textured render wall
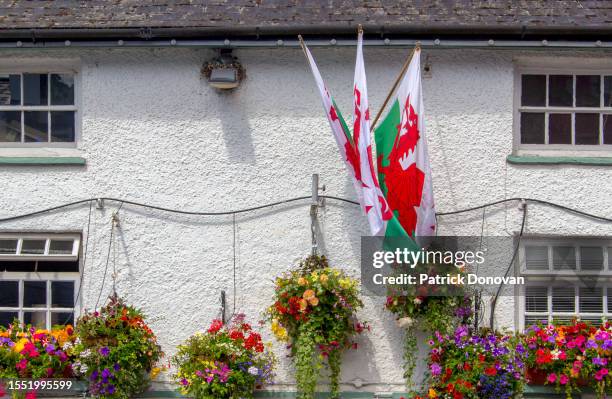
[153,131]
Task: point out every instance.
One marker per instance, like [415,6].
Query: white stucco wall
[153,131]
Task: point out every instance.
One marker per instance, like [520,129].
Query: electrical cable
[110,246]
[255,208]
[501,285]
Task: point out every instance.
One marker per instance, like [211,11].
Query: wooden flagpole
[397,82]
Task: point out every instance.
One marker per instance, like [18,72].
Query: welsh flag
[355,147]
[403,164]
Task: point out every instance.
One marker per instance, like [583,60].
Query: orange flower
[303,304]
[314,301]
[308,295]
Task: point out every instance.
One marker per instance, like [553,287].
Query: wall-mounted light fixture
[224,72]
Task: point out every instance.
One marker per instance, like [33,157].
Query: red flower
[215,326]
[491,371]
[236,335]
[254,342]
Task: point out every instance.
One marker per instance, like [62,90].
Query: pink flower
[552,377]
[563,379]
[30,395]
[600,374]
[22,365]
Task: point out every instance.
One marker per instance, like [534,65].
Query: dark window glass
[564,258]
[563,299]
[532,128]
[10,126]
[590,300]
[62,89]
[33,247]
[591,258]
[35,125]
[17,266]
[61,247]
[560,90]
[560,129]
[533,90]
[7,318]
[607,91]
[62,294]
[8,247]
[587,128]
[62,126]
[35,319]
[55,266]
[607,126]
[35,89]
[9,294]
[588,90]
[34,294]
[61,319]
[10,90]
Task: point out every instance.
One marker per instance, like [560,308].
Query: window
[39,278]
[565,279]
[561,111]
[37,109]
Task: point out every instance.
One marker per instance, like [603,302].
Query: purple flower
[110,389]
[50,349]
[94,375]
[104,351]
[600,361]
[591,344]
[435,369]
[184,382]
[116,367]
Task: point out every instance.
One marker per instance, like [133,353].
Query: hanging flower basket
[225,362]
[314,311]
[117,352]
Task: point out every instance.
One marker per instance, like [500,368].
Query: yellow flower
[432,393]
[20,344]
[308,295]
[323,278]
[314,301]
[279,331]
[155,372]
[302,281]
[345,283]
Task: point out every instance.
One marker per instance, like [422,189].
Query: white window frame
[559,68]
[49,277]
[48,238]
[38,67]
[553,278]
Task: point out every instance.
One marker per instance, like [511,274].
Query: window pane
[590,300]
[7,318]
[9,294]
[62,126]
[560,90]
[10,90]
[588,89]
[61,319]
[17,266]
[607,91]
[532,128]
[58,266]
[10,126]
[62,89]
[587,128]
[564,258]
[35,125]
[531,320]
[536,299]
[607,128]
[62,294]
[591,258]
[533,90]
[563,300]
[34,294]
[560,129]
[8,247]
[61,247]
[34,89]
[33,247]
[36,319]
[536,258]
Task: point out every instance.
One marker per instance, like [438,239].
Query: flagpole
[397,81]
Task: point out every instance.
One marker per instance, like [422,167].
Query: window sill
[41,156]
[558,160]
